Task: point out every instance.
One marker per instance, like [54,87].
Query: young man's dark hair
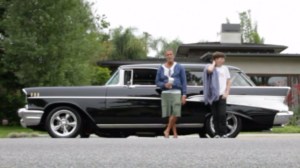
[217,55]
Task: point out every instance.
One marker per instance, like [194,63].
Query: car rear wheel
[234,126]
[63,122]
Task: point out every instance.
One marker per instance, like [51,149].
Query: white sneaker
[217,136]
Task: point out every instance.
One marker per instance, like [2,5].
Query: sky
[193,21]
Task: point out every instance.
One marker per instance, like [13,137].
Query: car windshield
[114,80]
[238,78]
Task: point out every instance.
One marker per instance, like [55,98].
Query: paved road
[249,150]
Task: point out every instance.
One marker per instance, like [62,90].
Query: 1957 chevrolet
[129,104]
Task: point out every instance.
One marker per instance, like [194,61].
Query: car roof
[190,65]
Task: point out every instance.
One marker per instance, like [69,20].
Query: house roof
[156,65]
[201,53]
[207,56]
[185,50]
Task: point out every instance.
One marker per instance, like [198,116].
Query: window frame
[132,73]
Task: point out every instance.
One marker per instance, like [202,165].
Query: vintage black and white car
[129,104]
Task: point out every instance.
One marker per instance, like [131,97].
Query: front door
[135,102]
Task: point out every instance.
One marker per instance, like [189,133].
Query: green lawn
[286,129]
[17,131]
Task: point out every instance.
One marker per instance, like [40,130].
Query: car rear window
[194,77]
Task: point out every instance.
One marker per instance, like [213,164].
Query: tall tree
[159,45]
[46,43]
[49,42]
[127,45]
[249,29]
[3,4]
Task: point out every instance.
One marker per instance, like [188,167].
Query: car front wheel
[63,122]
[234,125]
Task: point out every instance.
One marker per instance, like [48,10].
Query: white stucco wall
[266,65]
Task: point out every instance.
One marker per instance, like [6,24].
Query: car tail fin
[288,98]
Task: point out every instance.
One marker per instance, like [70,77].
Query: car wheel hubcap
[231,124]
[63,123]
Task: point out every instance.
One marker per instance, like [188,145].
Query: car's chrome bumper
[283,117]
[30,117]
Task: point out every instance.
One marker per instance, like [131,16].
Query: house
[265,64]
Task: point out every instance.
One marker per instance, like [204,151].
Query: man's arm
[160,83]
[211,67]
[184,85]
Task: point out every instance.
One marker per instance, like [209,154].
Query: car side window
[144,76]
[194,77]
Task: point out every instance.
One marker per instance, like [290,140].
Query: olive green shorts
[171,103]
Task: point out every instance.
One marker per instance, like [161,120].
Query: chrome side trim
[95,97]
[124,126]
[30,117]
[191,125]
[282,117]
